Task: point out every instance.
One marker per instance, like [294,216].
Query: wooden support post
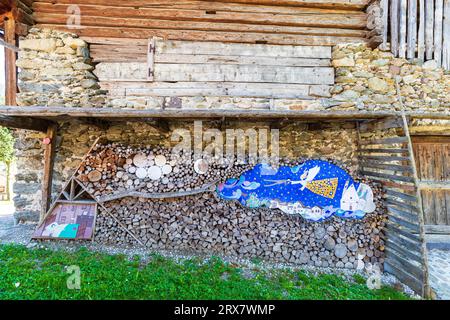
[10,60]
[47,180]
[427,292]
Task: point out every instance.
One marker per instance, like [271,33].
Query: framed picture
[69,220]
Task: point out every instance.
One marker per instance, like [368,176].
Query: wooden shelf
[65,113]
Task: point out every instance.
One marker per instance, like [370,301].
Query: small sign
[74,221]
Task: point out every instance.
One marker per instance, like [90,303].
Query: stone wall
[75,138]
[366,80]
[56,71]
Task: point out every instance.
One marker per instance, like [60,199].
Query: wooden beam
[57,113]
[197,35]
[221,4]
[10,61]
[47,180]
[26,123]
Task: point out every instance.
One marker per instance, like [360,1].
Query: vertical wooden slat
[438,20]
[446,36]
[10,61]
[421,215]
[394,26]
[412,28]
[403,24]
[421,36]
[440,209]
[428,207]
[447,205]
[47,180]
[385,16]
[429,26]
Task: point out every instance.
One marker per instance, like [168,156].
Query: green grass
[41,274]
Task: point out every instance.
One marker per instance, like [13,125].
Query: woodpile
[116,168]
[203,223]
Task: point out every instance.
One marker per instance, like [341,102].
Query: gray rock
[304,258]
[28,216]
[89,84]
[26,188]
[38,87]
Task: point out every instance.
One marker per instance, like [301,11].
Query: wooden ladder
[386,156]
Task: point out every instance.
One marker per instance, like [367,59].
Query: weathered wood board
[419,29]
[433,164]
[187,69]
[277,22]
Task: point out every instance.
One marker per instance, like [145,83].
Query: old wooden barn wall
[305,22]
[238,48]
[432,155]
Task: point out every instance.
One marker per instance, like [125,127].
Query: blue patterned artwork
[315,190]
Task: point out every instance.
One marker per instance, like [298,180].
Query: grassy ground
[41,274]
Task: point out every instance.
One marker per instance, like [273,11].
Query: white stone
[430,65]
[46,45]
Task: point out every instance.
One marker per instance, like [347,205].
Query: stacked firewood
[206,224]
[116,168]
[203,223]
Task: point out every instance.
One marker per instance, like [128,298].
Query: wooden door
[432,155]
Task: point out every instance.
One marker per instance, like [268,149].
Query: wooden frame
[63,204]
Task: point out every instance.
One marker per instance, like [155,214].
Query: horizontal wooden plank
[402,205]
[269,6]
[345,4]
[194,89]
[138,53]
[396,140]
[202,58]
[60,112]
[383,151]
[229,73]
[411,217]
[215,73]
[409,280]
[412,227]
[408,265]
[384,158]
[238,49]
[94,34]
[403,251]
[387,176]
[437,229]
[212,6]
[61,18]
[424,185]
[356,20]
[411,245]
[367,164]
[404,196]
[405,233]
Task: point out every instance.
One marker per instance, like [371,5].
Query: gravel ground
[21,234]
[439,264]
